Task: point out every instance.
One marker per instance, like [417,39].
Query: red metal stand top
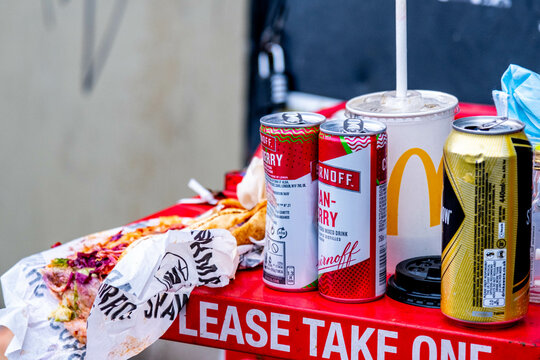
[247,316]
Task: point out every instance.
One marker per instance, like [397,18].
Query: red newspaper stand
[248,317]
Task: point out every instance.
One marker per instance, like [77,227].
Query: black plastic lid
[417,281]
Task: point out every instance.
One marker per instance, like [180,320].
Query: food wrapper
[252,255]
[135,305]
[252,189]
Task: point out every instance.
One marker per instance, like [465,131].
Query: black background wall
[345,48]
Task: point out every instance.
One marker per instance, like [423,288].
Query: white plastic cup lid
[386,104]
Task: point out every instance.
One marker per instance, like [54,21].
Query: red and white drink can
[290,143]
[352,210]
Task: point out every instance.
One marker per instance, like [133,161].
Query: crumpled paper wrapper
[252,255]
[135,305]
[252,189]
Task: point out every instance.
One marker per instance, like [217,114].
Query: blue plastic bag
[521,90]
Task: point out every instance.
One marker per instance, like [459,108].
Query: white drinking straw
[401,48]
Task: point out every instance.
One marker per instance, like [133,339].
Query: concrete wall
[167,104]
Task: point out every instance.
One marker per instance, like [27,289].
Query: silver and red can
[486,231]
[290,146]
[352,210]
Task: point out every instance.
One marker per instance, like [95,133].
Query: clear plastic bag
[535,226]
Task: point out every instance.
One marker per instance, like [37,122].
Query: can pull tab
[492,124]
[353,125]
[488,125]
[293,118]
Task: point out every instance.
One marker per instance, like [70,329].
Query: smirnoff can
[289,143]
[486,230]
[352,210]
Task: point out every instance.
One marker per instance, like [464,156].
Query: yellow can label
[486,227]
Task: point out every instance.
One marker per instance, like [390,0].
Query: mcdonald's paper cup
[417,128]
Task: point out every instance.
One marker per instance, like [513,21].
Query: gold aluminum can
[486,230]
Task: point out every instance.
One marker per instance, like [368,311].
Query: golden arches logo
[434,181]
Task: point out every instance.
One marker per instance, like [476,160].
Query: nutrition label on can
[487,219]
[494,278]
[282,190]
[291,233]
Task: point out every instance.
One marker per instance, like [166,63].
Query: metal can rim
[265,120]
[471,119]
[324,128]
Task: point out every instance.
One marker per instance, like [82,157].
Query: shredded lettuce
[59,262]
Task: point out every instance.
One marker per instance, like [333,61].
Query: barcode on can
[381,190]
[494,284]
[381,238]
[382,261]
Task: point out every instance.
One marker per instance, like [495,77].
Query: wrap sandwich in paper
[123,321]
